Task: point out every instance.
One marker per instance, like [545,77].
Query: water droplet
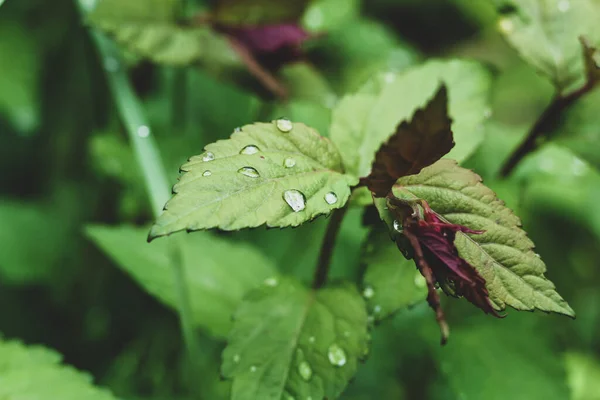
[111,64]
[207,173]
[397,226]
[143,131]
[305,370]
[250,149]
[236,358]
[487,113]
[537,255]
[331,198]
[419,280]
[289,162]
[311,339]
[271,282]
[506,25]
[336,355]
[389,77]
[295,199]
[564,5]
[253,368]
[208,156]
[368,292]
[238,129]
[377,309]
[249,172]
[284,125]
[309,398]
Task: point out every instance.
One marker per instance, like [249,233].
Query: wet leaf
[258,12]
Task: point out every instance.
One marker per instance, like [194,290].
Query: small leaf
[503,255]
[416,144]
[258,12]
[391,282]
[218,273]
[362,122]
[546,34]
[36,373]
[280,174]
[289,342]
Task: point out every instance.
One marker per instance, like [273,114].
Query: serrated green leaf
[503,255]
[363,121]
[290,342]
[279,174]
[583,376]
[391,282]
[218,272]
[36,373]
[258,12]
[546,34]
[150,31]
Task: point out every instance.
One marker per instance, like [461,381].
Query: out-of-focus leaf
[327,15]
[218,272]
[36,373]
[417,143]
[391,282]
[258,12]
[577,129]
[503,255]
[279,174]
[583,376]
[290,342]
[19,76]
[363,121]
[546,34]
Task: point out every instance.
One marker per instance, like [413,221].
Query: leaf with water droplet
[503,254]
[219,273]
[546,34]
[389,277]
[362,122]
[320,335]
[251,190]
[250,149]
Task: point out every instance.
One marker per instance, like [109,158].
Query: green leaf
[363,121]
[577,128]
[503,255]
[546,34]
[218,272]
[149,30]
[36,373]
[391,282]
[583,376]
[291,342]
[280,174]
[325,15]
[258,12]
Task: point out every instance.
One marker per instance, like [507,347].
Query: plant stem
[333,228]
[542,127]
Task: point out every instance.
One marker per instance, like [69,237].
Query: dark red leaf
[269,38]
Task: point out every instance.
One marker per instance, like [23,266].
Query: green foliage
[216,278]
[258,12]
[279,174]
[290,342]
[502,254]
[583,376]
[546,34]
[36,373]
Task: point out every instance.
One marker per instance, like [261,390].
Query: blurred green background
[66,164]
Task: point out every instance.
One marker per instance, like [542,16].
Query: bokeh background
[66,164]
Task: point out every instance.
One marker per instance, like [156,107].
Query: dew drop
[331,198]
[111,64]
[250,149]
[208,156]
[207,173]
[389,77]
[311,339]
[284,125]
[564,5]
[289,162]
[377,309]
[368,292]
[236,358]
[271,282]
[238,129]
[249,172]
[295,199]
[397,226]
[336,355]
[143,131]
[506,25]
[253,368]
[305,370]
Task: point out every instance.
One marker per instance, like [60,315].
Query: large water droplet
[249,172]
[208,156]
[368,292]
[397,226]
[284,125]
[250,149]
[207,173]
[271,282]
[236,358]
[143,131]
[331,198]
[295,199]
[305,370]
[336,355]
[289,162]
[253,368]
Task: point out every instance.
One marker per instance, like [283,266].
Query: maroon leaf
[416,144]
[269,38]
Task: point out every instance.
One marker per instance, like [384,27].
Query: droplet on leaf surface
[143,131]
[331,198]
[236,358]
[336,355]
[208,156]
[207,173]
[368,292]
[249,172]
[271,282]
[295,199]
[284,125]
[305,370]
[289,162]
[250,149]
